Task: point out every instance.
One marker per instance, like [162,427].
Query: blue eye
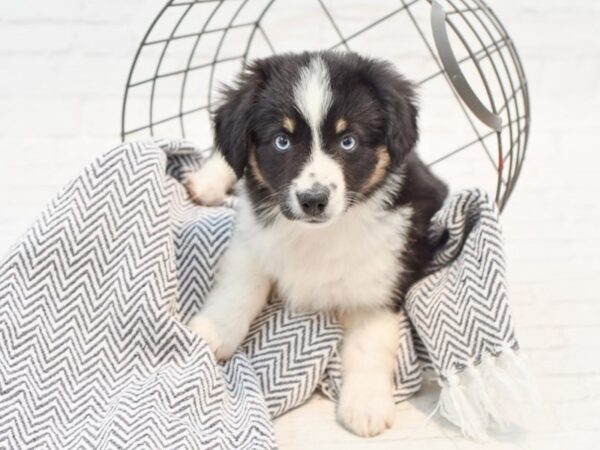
[348,142]
[282,143]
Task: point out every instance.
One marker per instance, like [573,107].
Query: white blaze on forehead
[312,93]
[313,98]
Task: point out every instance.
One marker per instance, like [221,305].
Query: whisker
[355,198]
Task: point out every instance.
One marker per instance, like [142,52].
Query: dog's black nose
[314,200]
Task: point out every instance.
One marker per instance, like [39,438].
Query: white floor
[49,127]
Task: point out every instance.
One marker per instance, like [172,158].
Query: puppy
[334,211]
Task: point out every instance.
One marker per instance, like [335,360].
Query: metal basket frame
[511,136]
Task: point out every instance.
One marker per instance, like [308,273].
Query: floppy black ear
[398,97]
[233,118]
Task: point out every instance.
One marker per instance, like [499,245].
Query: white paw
[210,185]
[207,331]
[222,342]
[366,409]
[206,190]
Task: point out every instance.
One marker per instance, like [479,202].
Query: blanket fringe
[498,391]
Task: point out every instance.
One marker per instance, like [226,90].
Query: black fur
[380,108]
[233,118]
[425,193]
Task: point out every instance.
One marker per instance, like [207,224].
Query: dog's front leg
[240,293]
[371,339]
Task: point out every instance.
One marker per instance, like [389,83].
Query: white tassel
[478,385]
[498,390]
[514,365]
[458,406]
[526,398]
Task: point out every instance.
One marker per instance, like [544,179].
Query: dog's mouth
[320,220]
[310,220]
[317,223]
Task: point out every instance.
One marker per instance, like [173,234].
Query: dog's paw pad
[365,413]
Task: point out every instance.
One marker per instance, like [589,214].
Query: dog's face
[316,133]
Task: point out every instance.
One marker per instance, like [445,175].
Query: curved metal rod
[500,167]
[258,26]
[217,53]
[132,68]
[159,65]
[455,74]
[189,64]
[511,133]
[438,63]
[524,132]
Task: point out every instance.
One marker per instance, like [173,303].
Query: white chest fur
[352,263]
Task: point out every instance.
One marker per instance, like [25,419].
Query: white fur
[313,96]
[312,93]
[366,403]
[209,185]
[349,264]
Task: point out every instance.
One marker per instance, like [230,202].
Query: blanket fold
[94,300]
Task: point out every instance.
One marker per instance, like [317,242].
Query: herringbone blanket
[94,299]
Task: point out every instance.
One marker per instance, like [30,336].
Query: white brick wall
[63,66]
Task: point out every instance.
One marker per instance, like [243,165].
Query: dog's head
[316,133]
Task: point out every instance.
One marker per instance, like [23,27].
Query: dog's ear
[233,118]
[398,97]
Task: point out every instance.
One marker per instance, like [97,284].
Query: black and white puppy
[334,210]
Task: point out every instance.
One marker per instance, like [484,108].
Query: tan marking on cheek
[383,161]
[289,124]
[256,170]
[341,125]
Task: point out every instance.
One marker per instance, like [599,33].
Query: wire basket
[474,99]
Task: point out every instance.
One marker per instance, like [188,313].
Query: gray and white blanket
[94,351]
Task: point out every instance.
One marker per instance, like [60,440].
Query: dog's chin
[309,221]
[315,223]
